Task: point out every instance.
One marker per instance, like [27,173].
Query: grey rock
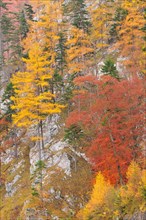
[136,216]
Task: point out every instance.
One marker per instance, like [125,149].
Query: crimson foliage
[110,114]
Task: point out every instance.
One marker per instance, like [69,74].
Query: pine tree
[2,6]
[29,11]
[77,13]
[12,26]
[23,27]
[110,69]
[61,54]
[7,102]
[120,15]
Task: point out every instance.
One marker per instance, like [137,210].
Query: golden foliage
[32,99]
[108,202]
[79,47]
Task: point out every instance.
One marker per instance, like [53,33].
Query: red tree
[110,114]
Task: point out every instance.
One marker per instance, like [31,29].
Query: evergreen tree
[29,11]
[23,25]
[7,102]
[2,6]
[109,68]
[11,31]
[120,15]
[77,14]
[61,53]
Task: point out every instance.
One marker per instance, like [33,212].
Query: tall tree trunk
[42,134]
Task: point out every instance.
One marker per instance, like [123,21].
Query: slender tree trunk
[39,144]
[40,160]
[42,134]
[95,62]
[16,146]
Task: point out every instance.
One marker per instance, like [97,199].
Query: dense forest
[72,109]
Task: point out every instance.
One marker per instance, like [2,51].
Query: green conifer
[77,14]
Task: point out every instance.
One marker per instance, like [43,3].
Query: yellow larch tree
[133,195]
[46,30]
[102,192]
[101,16]
[79,48]
[131,43]
[116,202]
[33,99]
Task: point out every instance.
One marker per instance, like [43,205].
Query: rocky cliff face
[136,216]
[18,171]
[25,184]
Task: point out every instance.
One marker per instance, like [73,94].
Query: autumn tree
[110,115]
[133,195]
[49,34]
[108,202]
[100,205]
[33,100]
[78,51]
[33,97]
[101,15]
[119,15]
[131,37]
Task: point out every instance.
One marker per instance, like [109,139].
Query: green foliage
[143,192]
[76,11]
[57,79]
[29,11]
[120,15]
[115,202]
[109,68]
[73,134]
[104,122]
[56,84]
[68,88]
[23,25]
[61,53]
[40,165]
[3,4]
[34,192]
[11,37]
[7,25]
[7,102]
